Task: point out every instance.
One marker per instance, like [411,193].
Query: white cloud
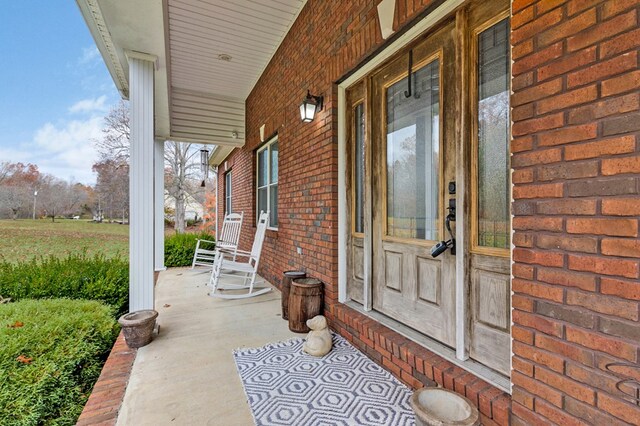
[90,56]
[65,150]
[89,105]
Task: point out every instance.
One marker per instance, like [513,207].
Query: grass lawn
[24,239]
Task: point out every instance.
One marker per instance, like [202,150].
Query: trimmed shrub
[51,354]
[179,248]
[77,276]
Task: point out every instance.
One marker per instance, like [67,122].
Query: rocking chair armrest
[207,241]
[243,253]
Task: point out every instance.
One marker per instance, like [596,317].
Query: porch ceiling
[200,96]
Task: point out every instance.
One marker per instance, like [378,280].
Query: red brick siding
[576,159]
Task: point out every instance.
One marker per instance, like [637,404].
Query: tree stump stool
[286,288]
[305,302]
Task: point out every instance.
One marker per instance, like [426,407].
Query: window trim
[475,248]
[267,147]
[228,193]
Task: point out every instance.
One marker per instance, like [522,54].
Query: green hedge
[67,342]
[179,248]
[77,276]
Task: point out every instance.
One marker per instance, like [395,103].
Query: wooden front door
[413,160]
[409,140]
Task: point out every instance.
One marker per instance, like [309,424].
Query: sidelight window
[491,151]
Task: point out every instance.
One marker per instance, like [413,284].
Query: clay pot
[441,407]
[137,327]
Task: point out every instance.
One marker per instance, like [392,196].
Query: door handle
[442,246]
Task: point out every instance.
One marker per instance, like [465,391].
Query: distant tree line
[25,192]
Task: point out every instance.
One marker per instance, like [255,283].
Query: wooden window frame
[474,99]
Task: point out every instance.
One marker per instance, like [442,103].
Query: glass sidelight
[413,155]
[358,168]
[492,151]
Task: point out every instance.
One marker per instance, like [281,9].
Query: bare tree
[181,160]
[112,187]
[181,176]
[5,171]
[51,196]
[15,199]
[114,144]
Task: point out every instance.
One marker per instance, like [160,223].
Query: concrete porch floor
[187,375]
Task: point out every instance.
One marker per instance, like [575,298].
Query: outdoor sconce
[204,164]
[310,106]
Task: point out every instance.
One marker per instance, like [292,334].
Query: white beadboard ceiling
[199,97]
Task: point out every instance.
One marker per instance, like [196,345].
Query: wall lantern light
[310,106]
[204,164]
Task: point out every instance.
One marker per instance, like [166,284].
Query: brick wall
[576,160]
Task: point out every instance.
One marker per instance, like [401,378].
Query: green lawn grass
[21,240]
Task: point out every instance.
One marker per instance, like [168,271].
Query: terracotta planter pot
[442,407]
[137,327]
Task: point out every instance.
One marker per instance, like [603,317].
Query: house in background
[193,207]
[500,136]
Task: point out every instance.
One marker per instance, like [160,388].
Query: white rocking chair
[227,243]
[248,271]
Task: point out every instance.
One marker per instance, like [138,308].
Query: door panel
[429,277]
[413,154]
[490,310]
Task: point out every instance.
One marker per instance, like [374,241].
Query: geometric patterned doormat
[285,386]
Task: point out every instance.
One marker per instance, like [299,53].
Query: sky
[54,88]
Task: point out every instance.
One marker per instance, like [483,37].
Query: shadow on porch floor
[187,375]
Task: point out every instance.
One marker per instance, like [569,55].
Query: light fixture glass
[310,105]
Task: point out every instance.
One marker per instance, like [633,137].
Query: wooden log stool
[305,302]
[286,288]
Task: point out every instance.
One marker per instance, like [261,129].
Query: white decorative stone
[318,341]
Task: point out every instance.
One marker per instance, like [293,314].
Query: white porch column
[158,171]
[141,188]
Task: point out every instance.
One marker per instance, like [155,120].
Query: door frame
[463,156]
